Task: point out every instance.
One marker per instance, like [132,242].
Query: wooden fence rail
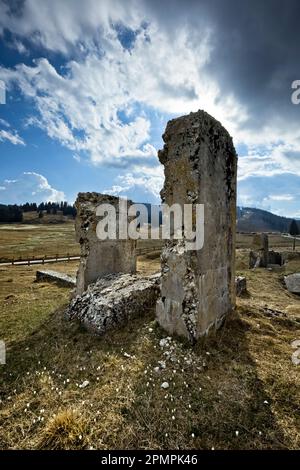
[59,258]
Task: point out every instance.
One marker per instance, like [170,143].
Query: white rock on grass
[165,385]
[162,364]
[163,342]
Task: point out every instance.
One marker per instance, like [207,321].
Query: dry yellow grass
[64,431]
[237,389]
[26,241]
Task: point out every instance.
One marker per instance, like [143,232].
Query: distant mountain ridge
[250,219]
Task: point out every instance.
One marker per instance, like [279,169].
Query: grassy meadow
[28,240]
[237,389]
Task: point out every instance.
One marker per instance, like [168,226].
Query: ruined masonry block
[275,257]
[114,300]
[99,257]
[259,256]
[198,287]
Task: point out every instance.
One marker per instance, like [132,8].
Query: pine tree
[294,231]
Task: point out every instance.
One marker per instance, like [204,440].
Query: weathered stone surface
[54,276]
[292,282]
[259,256]
[198,287]
[114,300]
[240,285]
[99,257]
[274,257]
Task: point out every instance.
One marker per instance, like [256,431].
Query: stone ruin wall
[99,257]
[198,287]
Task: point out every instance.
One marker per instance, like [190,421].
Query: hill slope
[258,220]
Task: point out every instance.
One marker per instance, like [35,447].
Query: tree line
[14,213]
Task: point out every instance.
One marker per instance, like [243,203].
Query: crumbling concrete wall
[259,256]
[198,287]
[114,300]
[99,257]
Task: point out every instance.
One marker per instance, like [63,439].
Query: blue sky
[89,93]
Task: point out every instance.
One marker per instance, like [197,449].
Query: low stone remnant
[259,256]
[198,286]
[114,300]
[275,267]
[292,282]
[54,276]
[240,285]
[100,257]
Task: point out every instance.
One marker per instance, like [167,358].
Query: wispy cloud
[11,136]
[150,180]
[29,187]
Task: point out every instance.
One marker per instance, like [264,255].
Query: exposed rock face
[198,287]
[99,257]
[114,300]
[259,256]
[292,283]
[240,285]
[54,276]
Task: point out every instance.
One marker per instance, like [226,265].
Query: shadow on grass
[217,400]
[222,406]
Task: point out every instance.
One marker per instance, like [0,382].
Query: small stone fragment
[165,385]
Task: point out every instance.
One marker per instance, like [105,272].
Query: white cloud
[29,187]
[81,105]
[272,159]
[59,26]
[281,197]
[149,180]
[279,193]
[12,137]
